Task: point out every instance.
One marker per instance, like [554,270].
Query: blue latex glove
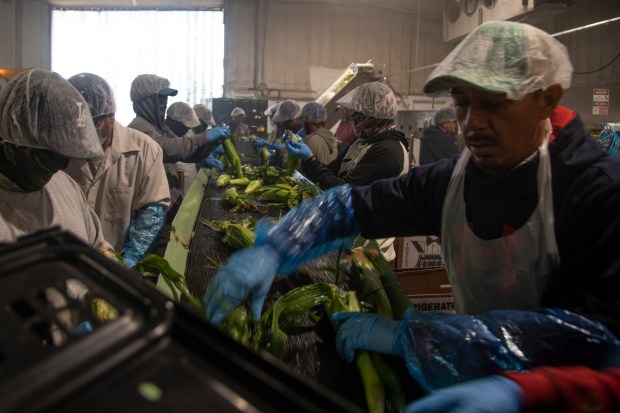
[364,331]
[143,232]
[260,142]
[211,162]
[298,150]
[495,394]
[83,328]
[277,146]
[248,271]
[219,150]
[218,134]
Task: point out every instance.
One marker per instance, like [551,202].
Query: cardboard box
[419,252]
[428,289]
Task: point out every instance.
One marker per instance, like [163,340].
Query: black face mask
[30,168]
[200,128]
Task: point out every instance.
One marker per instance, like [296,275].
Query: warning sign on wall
[600,101]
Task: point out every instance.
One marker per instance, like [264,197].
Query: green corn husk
[232,157]
[238,236]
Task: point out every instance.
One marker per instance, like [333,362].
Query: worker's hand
[277,146]
[219,150]
[495,394]
[248,271]
[364,331]
[298,150]
[211,162]
[218,134]
[260,142]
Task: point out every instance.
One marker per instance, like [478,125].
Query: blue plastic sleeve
[144,230]
[313,228]
[444,349]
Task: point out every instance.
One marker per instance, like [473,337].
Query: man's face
[450,127]
[500,133]
[163,105]
[293,124]
[105,128]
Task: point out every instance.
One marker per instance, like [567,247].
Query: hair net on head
[96,92]
[271,110]
[204,114]
[40,109]
[184,113]
[313,112]
[287,110]
[446,114]
[237,111]
[147,85]
[372,99]
[503,57]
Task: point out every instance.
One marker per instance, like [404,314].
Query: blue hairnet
[313,112]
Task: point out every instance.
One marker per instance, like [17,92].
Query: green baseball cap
[503,57]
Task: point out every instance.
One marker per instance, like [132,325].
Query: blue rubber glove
[248,271]
[217,151]
[299,150]
[211,162]
[218,134]
[494,394]
[277,146]
[260,142]
[364,331]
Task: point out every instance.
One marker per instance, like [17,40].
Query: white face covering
[509,272]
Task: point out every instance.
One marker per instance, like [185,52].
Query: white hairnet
[184,113]
[96,92]
[204,114]
[372,99]
[40,109]
[236,112]
[446,114]
[503,57]
[313,112]
[147,85]
[287,110]
[271,110]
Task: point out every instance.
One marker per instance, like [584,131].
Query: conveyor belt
[310,353]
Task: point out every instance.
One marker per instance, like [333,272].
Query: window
[186,47]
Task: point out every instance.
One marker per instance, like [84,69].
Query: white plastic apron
[510,272]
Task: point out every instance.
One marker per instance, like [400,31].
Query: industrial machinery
[355,74]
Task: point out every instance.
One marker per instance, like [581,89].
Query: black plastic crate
[155,356]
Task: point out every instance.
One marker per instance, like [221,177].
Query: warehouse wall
[295,47]
[24,34]
[590,49]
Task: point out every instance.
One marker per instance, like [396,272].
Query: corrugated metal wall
[284,45]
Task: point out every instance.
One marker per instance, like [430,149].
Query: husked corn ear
[222,180]
[240,181]
[253,186]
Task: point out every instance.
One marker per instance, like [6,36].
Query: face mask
[30,168]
